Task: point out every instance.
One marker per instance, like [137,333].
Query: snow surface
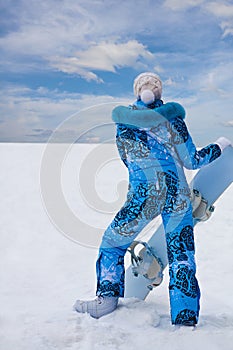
[42,272]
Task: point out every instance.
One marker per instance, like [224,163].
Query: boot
[98,307]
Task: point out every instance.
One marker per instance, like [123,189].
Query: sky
[61,59]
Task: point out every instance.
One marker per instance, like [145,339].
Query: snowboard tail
[208,185]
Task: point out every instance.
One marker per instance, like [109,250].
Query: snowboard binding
[147,264]
[201,210]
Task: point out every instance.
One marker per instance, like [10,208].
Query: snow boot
[98,307]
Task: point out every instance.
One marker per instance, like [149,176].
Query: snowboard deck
[210,181]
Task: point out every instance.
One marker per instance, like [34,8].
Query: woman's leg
[142,205]
[183,287]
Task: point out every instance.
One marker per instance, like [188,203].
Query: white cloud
[229,123]
[106,56]
[75,36]
[59,27]
[210,83]
[181,4]
[227,28]
[158,69]
[169,82]
[223,11]
[213,83]
[25,111]
[48,28]
[220,9]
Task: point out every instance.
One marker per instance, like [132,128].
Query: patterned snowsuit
[155,145]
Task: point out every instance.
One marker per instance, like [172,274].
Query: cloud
[212,83]
[75,37]
[181,5]
[220,9]
[223,11]
[227,28]
[45,26]
[229,123]
[218,81]
[40,135]
[105,56]
[29,115]
[59,44]
[88,37]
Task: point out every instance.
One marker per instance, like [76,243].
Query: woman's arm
[190,157]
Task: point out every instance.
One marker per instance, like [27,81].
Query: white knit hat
[148,81]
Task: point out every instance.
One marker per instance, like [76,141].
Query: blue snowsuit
[155,145]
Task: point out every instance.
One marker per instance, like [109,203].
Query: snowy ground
[42,272]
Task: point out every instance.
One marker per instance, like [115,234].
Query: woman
[155,145]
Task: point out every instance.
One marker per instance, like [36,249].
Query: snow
[43,272]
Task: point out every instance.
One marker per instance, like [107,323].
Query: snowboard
[146,270]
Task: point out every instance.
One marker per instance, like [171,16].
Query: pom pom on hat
[147,96]
[148,81]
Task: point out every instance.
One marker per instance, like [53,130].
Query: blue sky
[60,57]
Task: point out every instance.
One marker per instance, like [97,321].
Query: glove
[223,142]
